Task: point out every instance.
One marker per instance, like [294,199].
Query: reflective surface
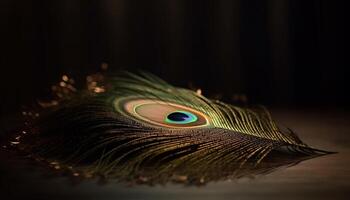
[320,178]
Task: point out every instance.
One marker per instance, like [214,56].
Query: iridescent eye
[162,113]
[181,117]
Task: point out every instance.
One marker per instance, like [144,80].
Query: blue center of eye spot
[181,117]
[178,117]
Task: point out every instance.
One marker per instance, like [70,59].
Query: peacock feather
[140,128]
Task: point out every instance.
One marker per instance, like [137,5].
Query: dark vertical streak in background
[278,52]
[255,49]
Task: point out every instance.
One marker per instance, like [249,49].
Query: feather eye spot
[162,113]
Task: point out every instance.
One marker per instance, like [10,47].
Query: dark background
[277,52]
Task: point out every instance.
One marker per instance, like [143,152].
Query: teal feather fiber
[92,135]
